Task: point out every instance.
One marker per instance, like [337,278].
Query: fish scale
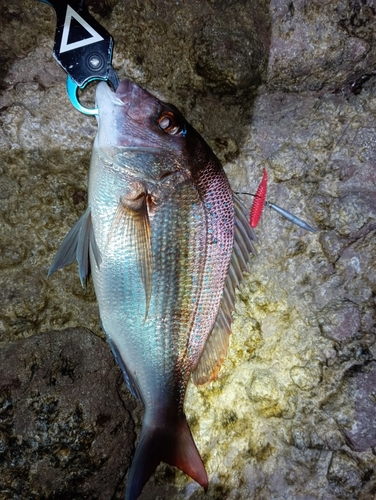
[161,347]
[217,201]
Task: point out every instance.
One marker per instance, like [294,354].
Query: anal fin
[130,382]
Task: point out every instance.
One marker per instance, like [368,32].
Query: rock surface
[284,85]
[65,430]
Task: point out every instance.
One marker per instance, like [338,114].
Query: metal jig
[291,217]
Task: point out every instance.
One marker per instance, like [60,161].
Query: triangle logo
[89,35]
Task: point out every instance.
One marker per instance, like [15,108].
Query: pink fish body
[168,243]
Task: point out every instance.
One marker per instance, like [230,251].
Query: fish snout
[139,104]
[124,88]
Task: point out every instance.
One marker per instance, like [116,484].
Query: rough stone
[362,434]
[292,412]
[65,431]
[321,45]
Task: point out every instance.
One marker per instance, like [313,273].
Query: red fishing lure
[259,201]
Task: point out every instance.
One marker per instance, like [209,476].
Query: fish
[166,241]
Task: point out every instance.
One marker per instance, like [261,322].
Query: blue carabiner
[72,89]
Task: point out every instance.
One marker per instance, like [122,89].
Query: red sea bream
[167,242]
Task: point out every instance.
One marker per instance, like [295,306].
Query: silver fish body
[167,245]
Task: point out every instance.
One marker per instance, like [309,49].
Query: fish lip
[104,90]
[125,87]
[122,96]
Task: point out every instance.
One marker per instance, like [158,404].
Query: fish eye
[169,124]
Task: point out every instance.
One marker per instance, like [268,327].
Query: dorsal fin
[217,343]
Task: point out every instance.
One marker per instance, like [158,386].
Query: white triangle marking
[95,36]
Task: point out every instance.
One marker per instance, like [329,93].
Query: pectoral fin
[132,219]
[76,246]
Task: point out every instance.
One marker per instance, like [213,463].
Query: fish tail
[173,443]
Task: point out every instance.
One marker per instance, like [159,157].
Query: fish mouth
[104,92]
[135,101]
[126,92]
[125,87]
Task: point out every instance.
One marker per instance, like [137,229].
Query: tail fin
[172,444]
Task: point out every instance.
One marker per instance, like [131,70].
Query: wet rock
[16,18]
[265,394]
[362,434]
[65,431]
[284,85]
[320,44]
[343,475]
[306,377]
[233,59]
[341,320]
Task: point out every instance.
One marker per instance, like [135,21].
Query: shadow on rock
[65,432]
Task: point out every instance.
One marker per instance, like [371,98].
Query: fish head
[132,119]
